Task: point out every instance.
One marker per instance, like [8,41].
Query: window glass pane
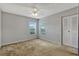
[32,27]
[42,28]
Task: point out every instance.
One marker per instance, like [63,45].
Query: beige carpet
[35,47]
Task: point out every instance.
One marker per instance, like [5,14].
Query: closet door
[74,31]
[66,31]
[70,31]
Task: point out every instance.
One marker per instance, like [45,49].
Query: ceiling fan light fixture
[34,14]
[35,9]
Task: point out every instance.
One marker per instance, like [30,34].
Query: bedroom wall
[53,26]
[0,27]
[15,28]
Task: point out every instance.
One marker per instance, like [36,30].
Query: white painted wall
[0,27]
[53,29]
[15,28]
[53,25]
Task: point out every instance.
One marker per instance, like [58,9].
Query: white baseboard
[71,49]
[16,42]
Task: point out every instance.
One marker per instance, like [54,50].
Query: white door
[66,31]
[74,31]
[70,31]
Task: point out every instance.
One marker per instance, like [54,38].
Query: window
[32,27]
[42,28]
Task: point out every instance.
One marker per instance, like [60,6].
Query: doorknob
[68,30]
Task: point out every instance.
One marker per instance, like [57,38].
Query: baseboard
[16,42]
[71,49]
[51,42]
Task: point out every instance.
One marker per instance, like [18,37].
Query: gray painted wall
[0,27]
[15,28]
[53,25]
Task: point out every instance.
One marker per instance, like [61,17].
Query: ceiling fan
[35,11]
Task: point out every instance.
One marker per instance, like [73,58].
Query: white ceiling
[45,9]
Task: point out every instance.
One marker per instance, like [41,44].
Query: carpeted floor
[35,47]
